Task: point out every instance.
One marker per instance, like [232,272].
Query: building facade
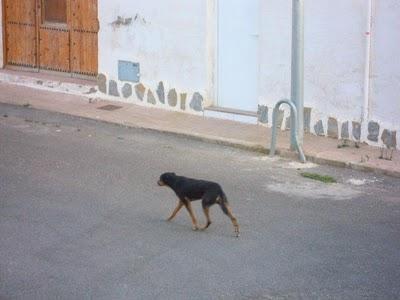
[223,58]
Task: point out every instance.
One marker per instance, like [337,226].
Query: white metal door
[238,54]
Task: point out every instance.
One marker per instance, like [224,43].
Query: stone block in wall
[333,128]
[389,138]
[113,88]
[102,83]
[319,128]
[344,134]
[127,90]
[140,90]
[150,98]
[279,118]
[172,98]
[197,102]
[307,119]
[288,123]
[262,114]
[161,92]
[356,130]
[183,101]
[373,131]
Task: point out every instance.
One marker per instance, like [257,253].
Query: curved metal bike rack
[293,128]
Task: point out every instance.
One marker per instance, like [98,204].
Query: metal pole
[293,112]
[297,85]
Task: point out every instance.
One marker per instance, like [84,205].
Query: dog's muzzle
[160,183]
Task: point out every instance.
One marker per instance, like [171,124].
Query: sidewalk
[253,137]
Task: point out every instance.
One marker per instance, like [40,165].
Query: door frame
[3,32]
[213,7]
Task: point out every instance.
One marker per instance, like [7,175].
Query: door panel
[21,45]
[238,54]
[84,53]
[21,11]
[84,15]
[54,49]
[54,36]
[21,38]
[84,49]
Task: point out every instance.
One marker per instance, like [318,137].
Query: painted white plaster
[334,60]
[168,38]
[275,51]
[212,27]
[385,65]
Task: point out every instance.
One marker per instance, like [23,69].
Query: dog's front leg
[189,208]
[177,208]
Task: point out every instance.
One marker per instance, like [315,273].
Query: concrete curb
[239,144]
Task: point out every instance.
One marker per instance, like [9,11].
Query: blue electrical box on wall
[128,71]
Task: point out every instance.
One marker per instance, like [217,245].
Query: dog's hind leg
[189,208]
[178,207]
[223,203]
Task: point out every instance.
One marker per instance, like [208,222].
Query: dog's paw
[195,228]
[205,226]
[237,233]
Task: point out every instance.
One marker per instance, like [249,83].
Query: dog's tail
[223,201]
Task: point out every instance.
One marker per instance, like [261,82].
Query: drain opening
[109,107]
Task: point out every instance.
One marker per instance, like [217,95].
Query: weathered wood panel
[21,11]
[21,45]
[20,31]
[85,26]
[54,49]
[84,53]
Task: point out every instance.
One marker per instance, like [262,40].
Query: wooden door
[21,35]
[84,29]
[54,36]
[58,35]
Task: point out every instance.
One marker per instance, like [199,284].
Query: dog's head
[166,179]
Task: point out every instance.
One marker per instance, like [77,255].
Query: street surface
[81,217]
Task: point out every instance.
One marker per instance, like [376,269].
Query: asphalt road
[81,217]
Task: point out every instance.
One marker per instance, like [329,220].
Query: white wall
[174,42]
[334,56]
[275,51]
[385,64]
[168,39]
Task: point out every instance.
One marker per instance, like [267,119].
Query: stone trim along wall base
[167,97]
[162,96]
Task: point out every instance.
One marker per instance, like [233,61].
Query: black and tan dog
[188,190]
